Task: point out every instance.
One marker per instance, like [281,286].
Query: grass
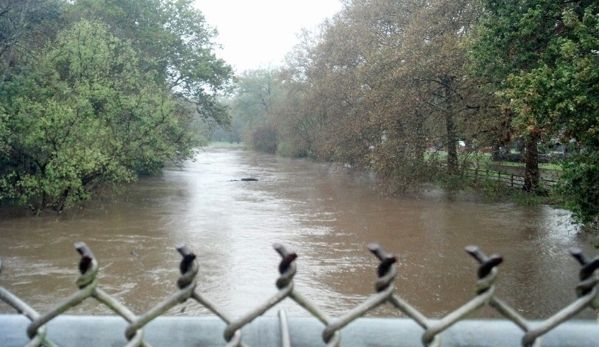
[498,191]
[484,161]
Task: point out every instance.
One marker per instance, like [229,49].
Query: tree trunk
[420,140]
[531,174]
[496,154]
[452,152]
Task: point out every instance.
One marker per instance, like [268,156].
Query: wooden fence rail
[510,179]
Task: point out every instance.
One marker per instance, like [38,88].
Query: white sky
[256,33]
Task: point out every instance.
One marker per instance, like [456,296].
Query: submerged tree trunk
[531,174]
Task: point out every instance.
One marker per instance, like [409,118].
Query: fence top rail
[102,331]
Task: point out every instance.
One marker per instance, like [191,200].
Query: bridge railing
[451,330]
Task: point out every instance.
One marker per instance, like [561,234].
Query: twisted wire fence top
[384,292]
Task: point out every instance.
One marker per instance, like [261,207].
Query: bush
[264,138]
[580,186]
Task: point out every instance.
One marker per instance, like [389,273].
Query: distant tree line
[98,92]
[386,84]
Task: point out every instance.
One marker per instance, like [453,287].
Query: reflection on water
[326,215]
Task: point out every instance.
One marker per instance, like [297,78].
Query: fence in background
[510,179]
[331,327]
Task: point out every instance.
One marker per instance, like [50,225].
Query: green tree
[25,26]
[83,114]
[544,57]
[171,38]
[255,94]
[562,96]
[254,98]
[513,40]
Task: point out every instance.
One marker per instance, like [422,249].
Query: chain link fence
[385,292]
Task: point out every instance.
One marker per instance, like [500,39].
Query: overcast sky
[256,33]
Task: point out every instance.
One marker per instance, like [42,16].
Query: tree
[254,98]
[561,96]
[172,38]
[343,74]
[122,89]
[382,81]
[255,95]
[443,97]
[544,57]
[302,110]
[85,113]
[513,41]
[25,26]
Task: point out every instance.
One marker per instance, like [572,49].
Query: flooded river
[327,215]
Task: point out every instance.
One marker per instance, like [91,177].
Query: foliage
[255,96]
[96,91]
[264,138]
[581,187]
[25,26]
[375,87]
[85,113]
[383,83]
[563,92]
[171,38]
[256,92]
[543,54]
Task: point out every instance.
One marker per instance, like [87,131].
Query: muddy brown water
[328,215]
